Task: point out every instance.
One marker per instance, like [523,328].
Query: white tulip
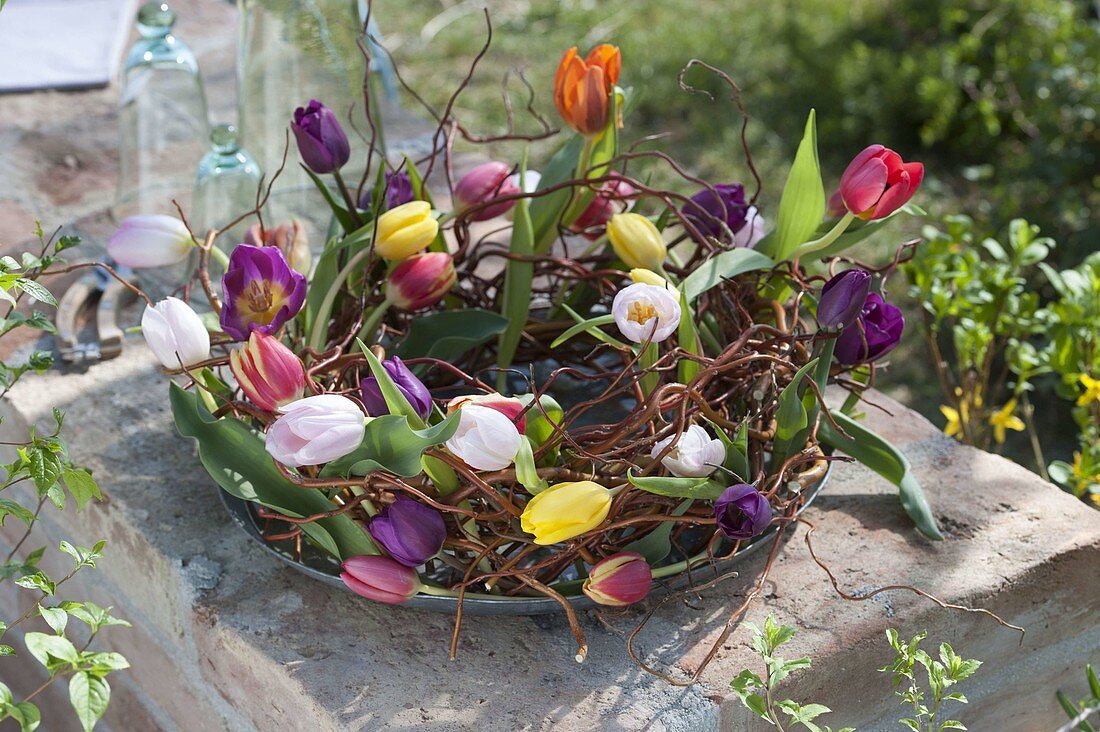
[150,241]
[752,232]
[694,455]
[315,430]
[531,180]
[644,311]
[175,333]
[485,438]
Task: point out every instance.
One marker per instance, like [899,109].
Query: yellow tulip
[565,510]
[405,230]
[637,241]
[647,277]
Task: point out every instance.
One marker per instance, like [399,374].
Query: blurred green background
[998,98]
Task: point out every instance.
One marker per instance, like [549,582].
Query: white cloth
[62,44]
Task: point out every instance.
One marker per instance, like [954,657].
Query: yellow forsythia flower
[565,510]
[1092,390]
[953,428]
[637,241]
[405,230]
[1004,419]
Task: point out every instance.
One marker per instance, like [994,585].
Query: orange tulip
[582,88]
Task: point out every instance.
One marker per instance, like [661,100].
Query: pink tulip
[421,281]
[878,182]
[510,407]
[269,373]
[380,579]
[483,184]
[612,198]
[621,579]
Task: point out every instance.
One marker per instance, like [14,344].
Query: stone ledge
[228,638]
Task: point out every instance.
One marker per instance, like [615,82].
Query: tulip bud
[510,407]
[613,197]
[842,298]
[619,580]
[647,277]
[150,241]
[315,430]
[646,312]
[409,531]
[403,231]
[694,455]
[742,512]
[483,184]
[175,333]
[380,579]
[583,87]
[749,235]
[321,141]
[406,382]
[565,510]
[877,183]
[289,238]
[875,333]
[269,373]
[637,241]
[485,438]
[421,281]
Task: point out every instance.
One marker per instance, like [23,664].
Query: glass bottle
[225,187]
[291,51]
[163,126]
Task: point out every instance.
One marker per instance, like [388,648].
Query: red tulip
[613,197]
[878,182]
[421,281]
[621,579]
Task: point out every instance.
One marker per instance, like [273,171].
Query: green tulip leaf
[547,208]
[886,460]
[657,544]
[701,488]
[449,334]
[722,267]
[233,454]
[516,301]
[803,202]
[391,445]
[396,402]
[526,471]
[347,222]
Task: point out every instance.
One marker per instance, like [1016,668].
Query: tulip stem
[318,331]
[218,254]
[831,236]
[366,333]
[353,210]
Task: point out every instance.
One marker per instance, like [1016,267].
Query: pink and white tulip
[621,579]
[485,439]
[150,241]
[315,430]
[510,407]
[421,281]
[695,455]
[175,333]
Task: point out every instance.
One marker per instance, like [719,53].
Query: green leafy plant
[758,693]
[943,672]
[1080,712]
[42,461]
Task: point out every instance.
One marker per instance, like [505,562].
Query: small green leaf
[81,485]
[44,646]
[700,488]
[27,715]
[590,326]
[89,696]
[55,617]
[37,291]
[526,472]
[37,581]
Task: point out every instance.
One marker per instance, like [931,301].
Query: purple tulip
[321,141]
[409,531]
[726,204]
[842,298]
[742,511]
[260,292]
[399,191]
[411,387]
[877,330]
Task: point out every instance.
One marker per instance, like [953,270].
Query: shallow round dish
[323,567]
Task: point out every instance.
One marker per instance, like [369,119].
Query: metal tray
[323,567]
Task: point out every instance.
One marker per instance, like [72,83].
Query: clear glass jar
[225,187]
[163,128]
[291,51]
